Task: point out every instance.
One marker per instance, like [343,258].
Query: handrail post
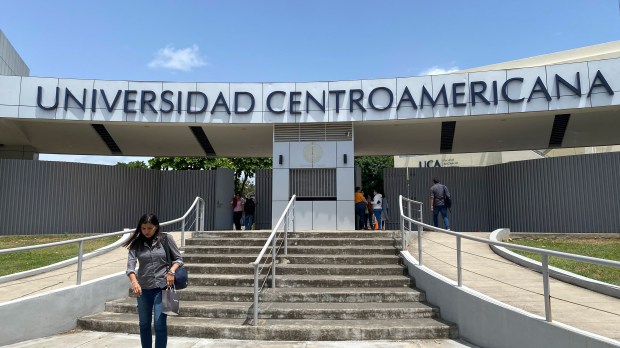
[286,235]
[197,214]
[273,261]
[255,294]
[459,265]
[202,215]
[545,274]
[420,244]
[409,213]
[183,233]
[80,259]
[402,233]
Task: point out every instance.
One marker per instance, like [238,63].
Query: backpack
[249,206]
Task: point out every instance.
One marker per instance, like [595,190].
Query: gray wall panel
[562,194]
[262,215]
[56,197]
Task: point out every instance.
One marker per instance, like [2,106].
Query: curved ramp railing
[198,206]
[543,252]
[258,267]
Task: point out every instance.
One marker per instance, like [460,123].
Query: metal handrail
[199,224]
[272,240]
[543,252]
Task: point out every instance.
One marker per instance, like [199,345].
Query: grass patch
[27,260]
[604,248]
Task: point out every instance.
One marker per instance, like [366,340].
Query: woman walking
[147,247]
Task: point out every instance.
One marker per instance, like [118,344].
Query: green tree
[372,171]
[244,167]
[133,164]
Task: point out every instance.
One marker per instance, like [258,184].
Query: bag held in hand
[170,301]
[180,275]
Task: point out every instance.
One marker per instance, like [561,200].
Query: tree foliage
[133,164]
[372,171]
[244,167]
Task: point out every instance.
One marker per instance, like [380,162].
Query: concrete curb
[65,263]
[604,288]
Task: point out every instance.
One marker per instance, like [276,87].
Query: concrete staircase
[331,286]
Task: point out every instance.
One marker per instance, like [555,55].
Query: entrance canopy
[544,105]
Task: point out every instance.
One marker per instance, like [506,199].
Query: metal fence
[38,197]
[572,194]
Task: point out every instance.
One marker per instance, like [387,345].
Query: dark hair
[435,180]
[357,188]
[149,218]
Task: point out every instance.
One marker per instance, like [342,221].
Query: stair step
[299,269]
[296,259]
[286,310]
[296,281]
[300,295]
[295,241]
[280,329]
[301,250]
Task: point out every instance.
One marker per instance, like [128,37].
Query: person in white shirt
[377,208]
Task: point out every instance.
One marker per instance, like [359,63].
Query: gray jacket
[153,262]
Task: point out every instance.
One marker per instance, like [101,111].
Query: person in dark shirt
[248,209]
[439,192]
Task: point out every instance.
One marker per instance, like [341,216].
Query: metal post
[197,214]
[80,258]
[420,244]
[273,261]
[255,294]
[286,235]
[545,273]
[183,232]
[402,233]
[409,213]
[421,214]
[459,265]
[202,216]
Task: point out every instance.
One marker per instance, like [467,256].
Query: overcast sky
[291,41]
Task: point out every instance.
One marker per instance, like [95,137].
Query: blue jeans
[444,213]
[360,214]
[149,300]
[378,217]
[249,221]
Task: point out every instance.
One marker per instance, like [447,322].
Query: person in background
[248,209]
[146,248]
[369,213]
[237,207]
[438,193]
[360,209]
[377,208]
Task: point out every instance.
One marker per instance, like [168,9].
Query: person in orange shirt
[360,209]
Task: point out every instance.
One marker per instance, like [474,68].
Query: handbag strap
[164,242]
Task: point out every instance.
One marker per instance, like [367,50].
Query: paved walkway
[484,271]
[492,275]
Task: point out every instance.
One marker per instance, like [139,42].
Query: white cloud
[107,160]
[435,70]
[184,59]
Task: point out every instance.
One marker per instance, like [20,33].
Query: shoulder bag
[180,275]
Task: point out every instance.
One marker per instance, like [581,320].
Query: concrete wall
[57,311]
[489,323]
[315,214]
[10,61]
